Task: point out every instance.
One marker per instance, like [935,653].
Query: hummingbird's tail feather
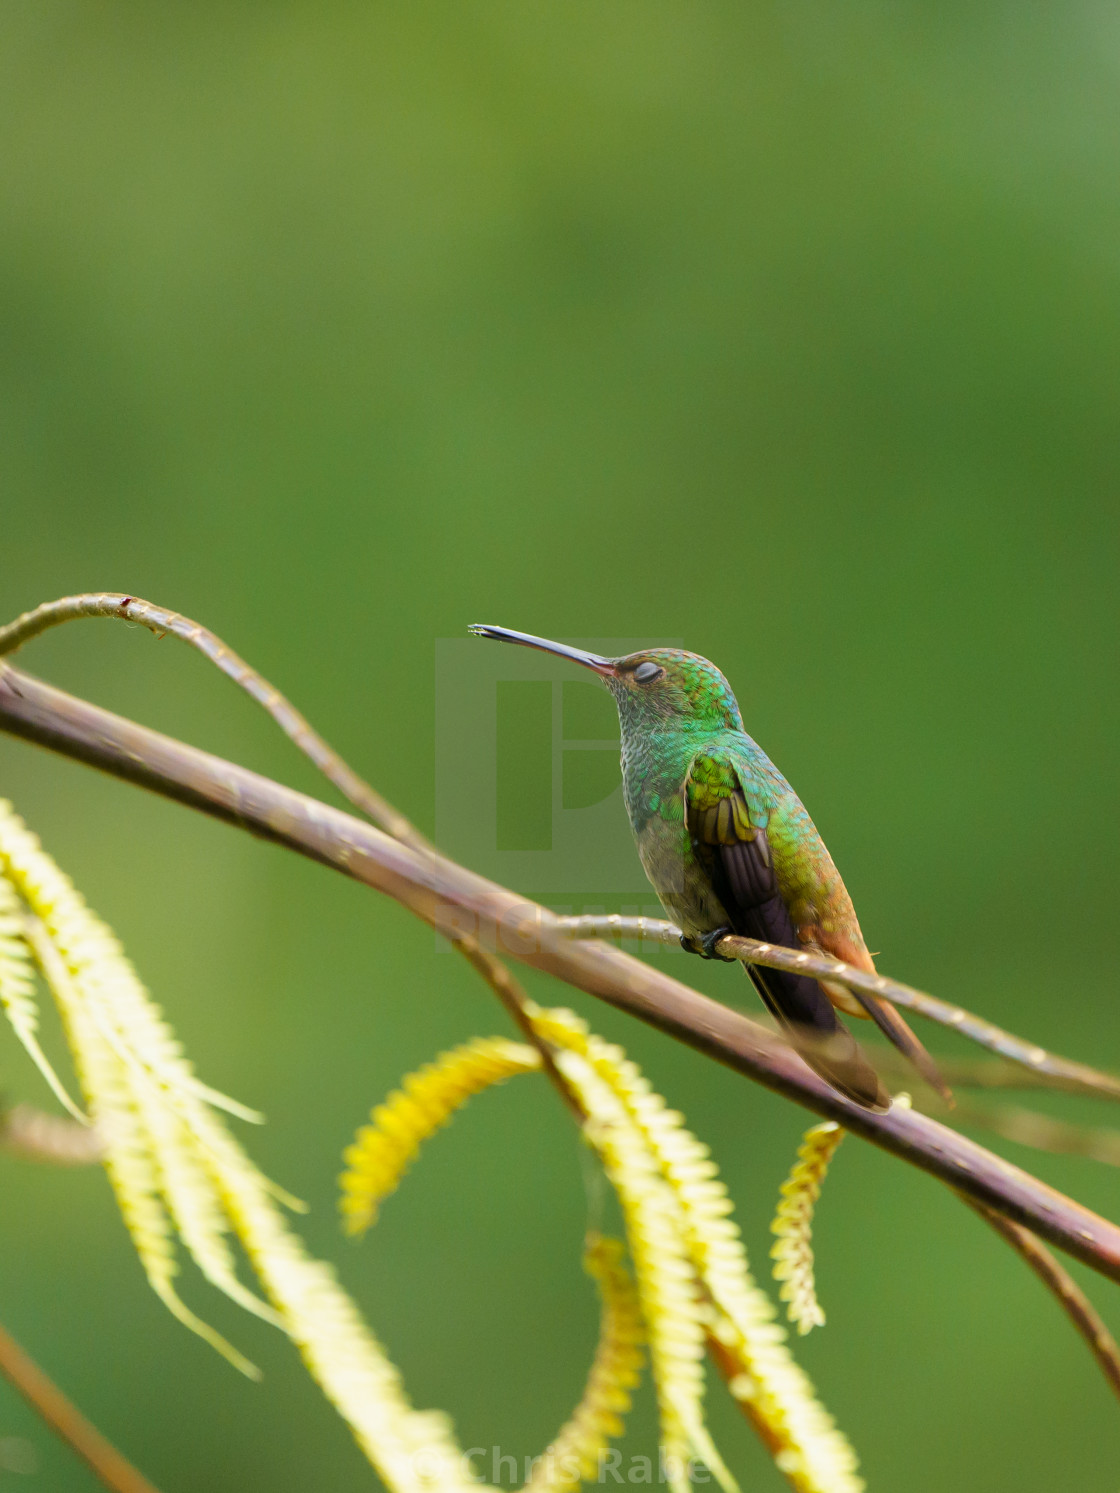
[897,1030]
[807,1017]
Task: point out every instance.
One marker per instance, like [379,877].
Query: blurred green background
[789,330]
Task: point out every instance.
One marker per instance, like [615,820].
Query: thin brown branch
[118,606]
[1014,1122]
[514,998]
[44,1396]
[457,901]
[161,621]
[1072,1299]
[1028,1127]
[984,1073]
[123,608]
[34,1135]
[1077,1076]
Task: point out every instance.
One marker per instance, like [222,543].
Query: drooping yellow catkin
[414,1451]
[383,1150]
[17,989]
[573,1455]
[793,1224]
[177,1170]
[92,983]
[807,1446]
[667,1284]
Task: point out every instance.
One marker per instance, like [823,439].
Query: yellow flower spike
[17,990]
[793,1224]
[780,1399]
[384,1150]
[174,1166]
[135,1166]
[667,1285]
[413,1450]
[113,995]
[573,1456]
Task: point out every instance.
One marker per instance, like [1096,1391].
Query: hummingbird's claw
[708,941]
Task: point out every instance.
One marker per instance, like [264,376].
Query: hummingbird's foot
[705,945]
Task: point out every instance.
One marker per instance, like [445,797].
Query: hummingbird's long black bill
[602,666]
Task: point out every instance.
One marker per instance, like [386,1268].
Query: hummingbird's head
[660,687]
[653,689]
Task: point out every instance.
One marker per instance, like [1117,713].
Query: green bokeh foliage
[787,329]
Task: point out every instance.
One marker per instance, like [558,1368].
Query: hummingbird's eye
[647,671]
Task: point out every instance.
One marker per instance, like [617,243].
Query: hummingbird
[729,848]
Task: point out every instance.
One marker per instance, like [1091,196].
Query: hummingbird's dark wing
[735,852]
